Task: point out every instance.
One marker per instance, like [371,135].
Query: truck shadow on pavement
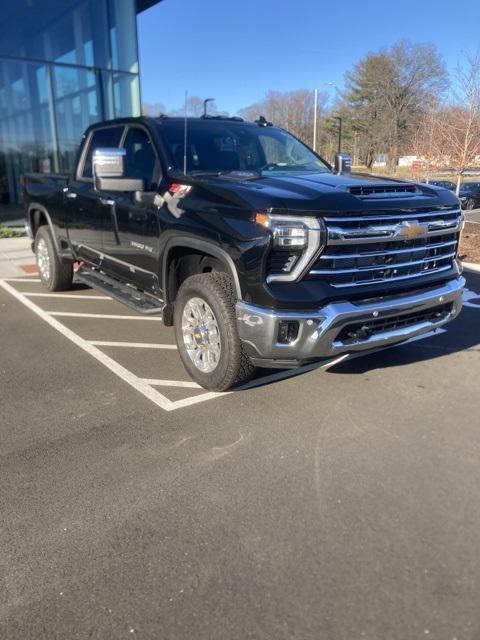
[461,335]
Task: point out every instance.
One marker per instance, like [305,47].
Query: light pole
[340,120]
[205,102]
[315,100]
[339,132]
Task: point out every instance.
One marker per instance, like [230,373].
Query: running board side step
[134,298]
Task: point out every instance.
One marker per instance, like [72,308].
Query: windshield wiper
[238,174]
[274,166]
[204,173]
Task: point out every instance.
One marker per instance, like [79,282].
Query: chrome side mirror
[109,171]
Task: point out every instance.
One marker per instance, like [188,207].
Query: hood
[326,193]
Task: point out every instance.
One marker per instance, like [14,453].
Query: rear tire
[55,275]
[470,204]
[206,332]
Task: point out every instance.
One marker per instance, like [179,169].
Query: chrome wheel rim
[43,259]
[201,335]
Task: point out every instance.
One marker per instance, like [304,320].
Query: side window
[109,137]
[140,161]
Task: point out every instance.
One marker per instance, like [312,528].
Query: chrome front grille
[368,249]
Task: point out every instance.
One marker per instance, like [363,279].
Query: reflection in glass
[69,32]
[126,95]
[64,64]
[77,106]
[26,132]
[123,35]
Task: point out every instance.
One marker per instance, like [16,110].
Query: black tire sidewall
[229,340]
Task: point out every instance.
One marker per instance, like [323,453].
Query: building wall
[64,64]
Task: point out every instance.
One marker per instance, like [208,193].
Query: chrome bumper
[318,331]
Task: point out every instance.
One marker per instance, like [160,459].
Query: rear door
[85,209]
[132,244]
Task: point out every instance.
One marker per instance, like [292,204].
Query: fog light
[287,331]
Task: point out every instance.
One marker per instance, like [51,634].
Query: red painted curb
[29,268]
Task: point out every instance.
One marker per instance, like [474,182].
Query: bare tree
[195,108]
[291,110]
[428,142]
[461,121]
[153,109]
[449,135]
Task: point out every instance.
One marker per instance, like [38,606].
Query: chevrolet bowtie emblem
[410,229]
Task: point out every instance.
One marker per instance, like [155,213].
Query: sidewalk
[16,258]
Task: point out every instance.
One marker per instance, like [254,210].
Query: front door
[85,210]
[131,243]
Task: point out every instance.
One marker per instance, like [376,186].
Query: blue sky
[236,51]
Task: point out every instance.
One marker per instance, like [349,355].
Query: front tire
[470,204]
[54,274]
[206,332]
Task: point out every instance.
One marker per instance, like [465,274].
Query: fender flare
[199,245]
[34,206]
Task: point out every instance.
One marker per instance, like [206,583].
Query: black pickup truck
[257,251]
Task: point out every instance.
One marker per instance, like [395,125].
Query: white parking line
[76,296]
[137,383]
[134,345]
[22,280]
[202,397]
[172,383]
[142,386]
[71,314]
[145,385]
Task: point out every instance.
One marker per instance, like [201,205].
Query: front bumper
[321,333]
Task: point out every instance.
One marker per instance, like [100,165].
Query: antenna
[185,137]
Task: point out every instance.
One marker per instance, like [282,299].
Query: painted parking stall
[72,314]
[140,350]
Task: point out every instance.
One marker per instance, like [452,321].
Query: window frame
[158,170]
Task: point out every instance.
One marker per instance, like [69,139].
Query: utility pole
[340,121]
[315,100]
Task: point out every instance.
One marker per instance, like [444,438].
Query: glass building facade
[64,64]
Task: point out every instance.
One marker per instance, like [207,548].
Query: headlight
[290,235]
[296,242]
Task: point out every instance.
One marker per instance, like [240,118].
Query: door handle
[71,194]
[107,202]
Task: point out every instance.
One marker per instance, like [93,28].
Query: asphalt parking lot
[338,503]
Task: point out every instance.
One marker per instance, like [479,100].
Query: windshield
[224,147]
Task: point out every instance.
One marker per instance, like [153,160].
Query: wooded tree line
[397,101]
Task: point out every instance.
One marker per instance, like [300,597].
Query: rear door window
[108,137]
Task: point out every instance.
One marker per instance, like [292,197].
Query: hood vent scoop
[372,191]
